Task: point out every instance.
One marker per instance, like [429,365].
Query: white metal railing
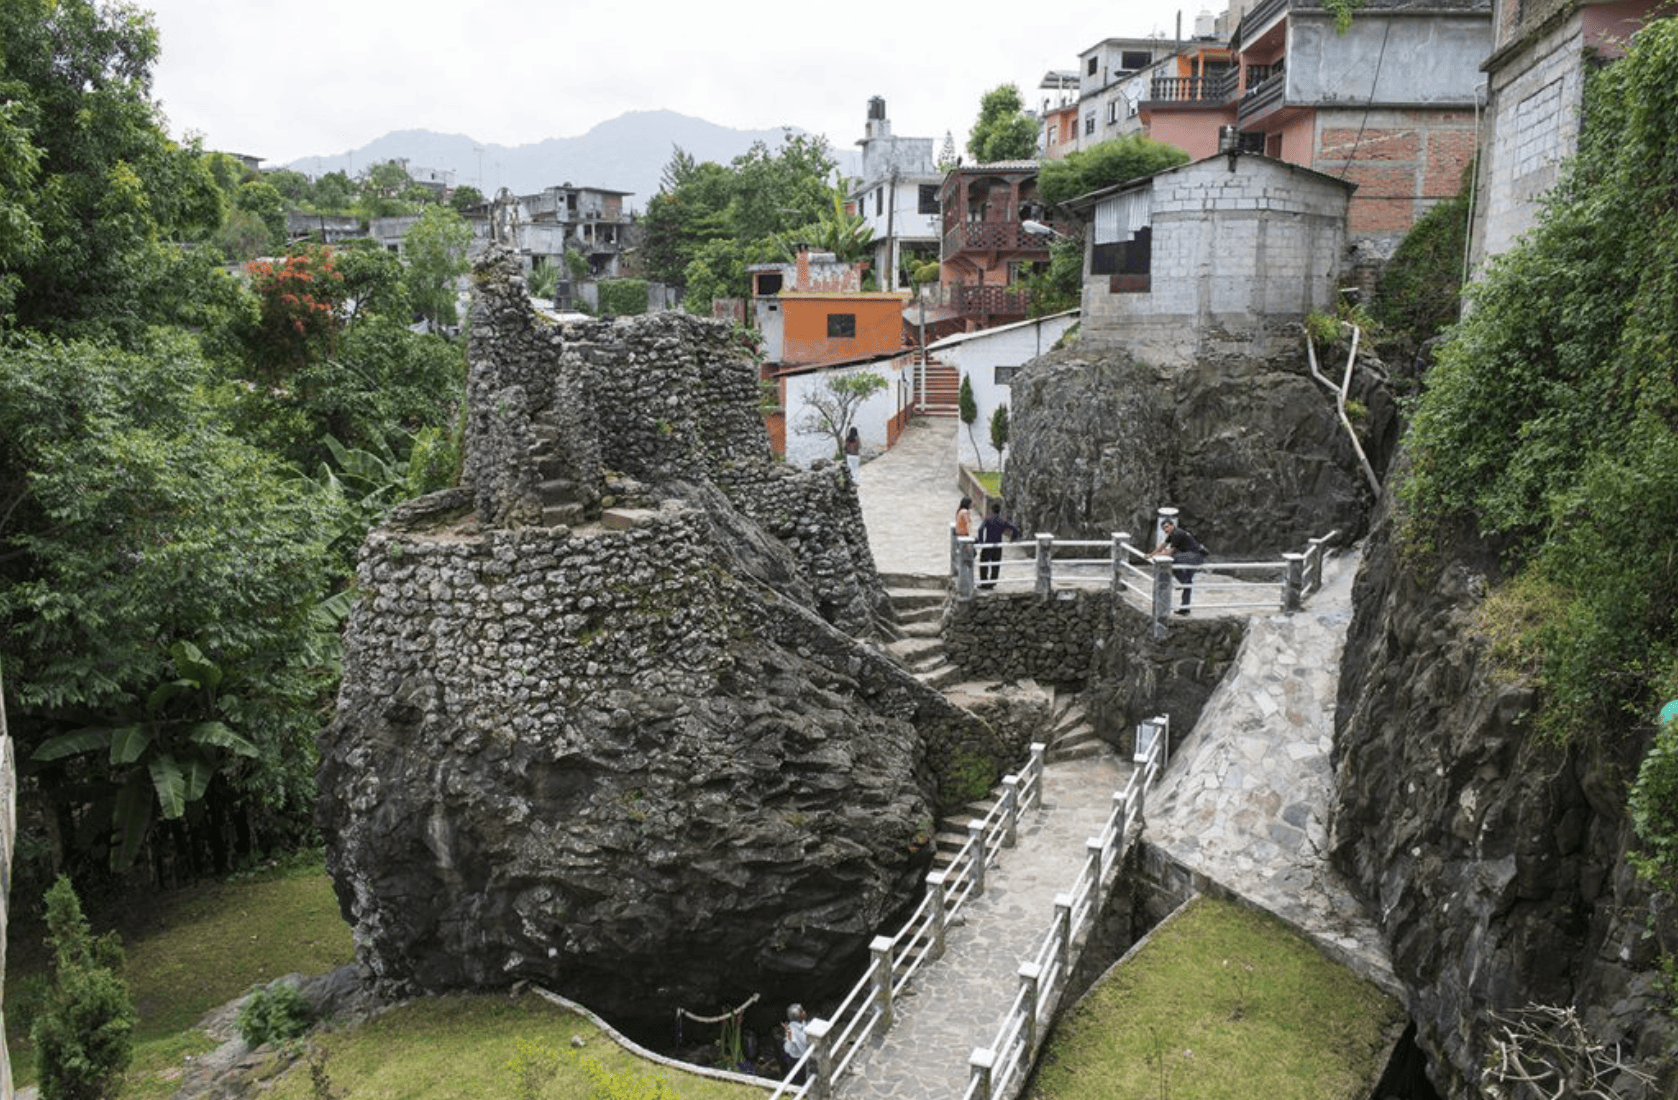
[1045,564]
[996,1071]
[866,1010]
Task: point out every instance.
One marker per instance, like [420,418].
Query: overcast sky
[283,79]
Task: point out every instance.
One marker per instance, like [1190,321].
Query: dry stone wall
[646,756]
[1081,639]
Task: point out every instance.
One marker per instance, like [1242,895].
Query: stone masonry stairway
[917,603]
[561,501]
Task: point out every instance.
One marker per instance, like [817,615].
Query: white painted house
[989,359]
[804,445]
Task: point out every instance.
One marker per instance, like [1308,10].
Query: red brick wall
[1404,163]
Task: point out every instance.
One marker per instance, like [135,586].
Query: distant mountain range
[628,153]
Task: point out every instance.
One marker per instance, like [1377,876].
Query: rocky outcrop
[618,735]
[1251,451]
[1495,862]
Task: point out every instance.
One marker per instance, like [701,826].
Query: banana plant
[163,752]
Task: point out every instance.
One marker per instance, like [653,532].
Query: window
[879,199]
[928,199]
[1089,123]
[841,324]
[1112,112]
[1093,61]
[1132,60]
[1004,375]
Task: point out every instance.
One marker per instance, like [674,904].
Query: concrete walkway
[1243,803]
[909,496]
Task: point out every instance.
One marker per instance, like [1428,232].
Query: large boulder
[614,718]
[1251,451]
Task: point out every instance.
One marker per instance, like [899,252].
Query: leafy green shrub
[274,1014]
[970,777]
[1111,162]
[623,297]
[606,1085]
[1547,425]
[1421,287]
[84,1036]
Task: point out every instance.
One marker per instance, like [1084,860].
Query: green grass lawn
[1223,1003]
[192,951]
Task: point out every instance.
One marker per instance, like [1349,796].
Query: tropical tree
[435,252]
[709,221]
[132,521]
[1003,131]
[94,190]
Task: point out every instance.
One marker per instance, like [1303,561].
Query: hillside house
[1389,104]
[813,312]
[986,247]
[1536,78]
[897,197]
[1059,115]
[1222,255]
[1109,84]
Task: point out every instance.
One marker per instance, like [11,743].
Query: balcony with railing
[994,237]
[1265,85]
[1217,88]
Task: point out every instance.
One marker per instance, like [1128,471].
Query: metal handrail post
[1034,795]
[1121,539]
[1063,933]
[1045,566]
[964,567]
[1162,595]
[976,841]
[1031,983]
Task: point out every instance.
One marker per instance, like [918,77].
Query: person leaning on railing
[1184,551]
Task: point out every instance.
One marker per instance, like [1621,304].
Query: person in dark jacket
[1184,552]
[990,539]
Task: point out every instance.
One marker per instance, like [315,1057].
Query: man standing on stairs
[1184,552]
[990,537]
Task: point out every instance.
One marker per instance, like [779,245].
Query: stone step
[942,677]
[919,626]
[562,515]
[561,489]
[914,581]
[911,649]
[1075,748]
[908,601]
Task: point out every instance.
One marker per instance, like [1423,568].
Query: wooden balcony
[994,237]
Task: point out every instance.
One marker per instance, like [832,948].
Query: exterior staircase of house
[942,394]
